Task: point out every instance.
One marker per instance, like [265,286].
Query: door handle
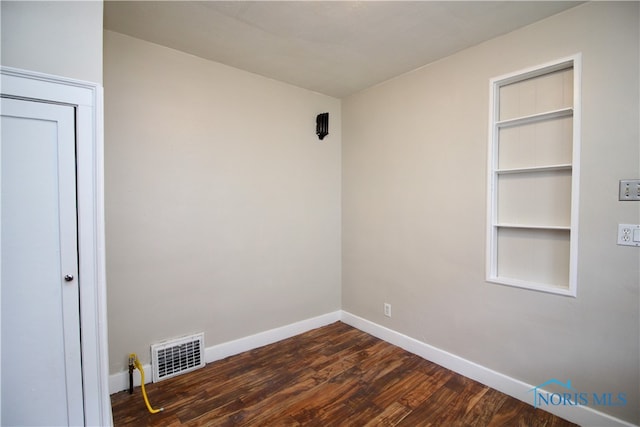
[68,278]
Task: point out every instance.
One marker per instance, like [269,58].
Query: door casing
[87,98]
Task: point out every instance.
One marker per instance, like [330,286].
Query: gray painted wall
[222,206]
[248,238]
[63,38]
[414,210]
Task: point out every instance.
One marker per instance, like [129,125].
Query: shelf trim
[532,226]
[533,169]
[494,174]
[535,118]
[563,289]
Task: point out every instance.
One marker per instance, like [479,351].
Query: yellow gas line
[133,359]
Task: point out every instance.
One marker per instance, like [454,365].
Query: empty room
[324,213]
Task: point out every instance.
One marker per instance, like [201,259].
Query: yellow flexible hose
[138,365]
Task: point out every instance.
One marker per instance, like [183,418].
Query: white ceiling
[332,47]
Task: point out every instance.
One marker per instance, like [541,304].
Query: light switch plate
[629,189]
[629,234]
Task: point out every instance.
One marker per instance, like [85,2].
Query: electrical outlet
[387,309]
[629,234]
[629,189]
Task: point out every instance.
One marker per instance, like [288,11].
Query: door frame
[87,98]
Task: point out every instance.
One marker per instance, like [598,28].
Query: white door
[41,359]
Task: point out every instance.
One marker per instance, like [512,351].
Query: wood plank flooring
[332,376]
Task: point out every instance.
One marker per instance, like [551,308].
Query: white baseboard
[582,415]
[120,381]
[261,339]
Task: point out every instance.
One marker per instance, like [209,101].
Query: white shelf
[534,118]
[533,227]
[562,167]
[536,286]
[533,172]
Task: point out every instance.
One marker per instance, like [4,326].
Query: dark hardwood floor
[331,376]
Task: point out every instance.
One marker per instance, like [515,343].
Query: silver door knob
[68,278]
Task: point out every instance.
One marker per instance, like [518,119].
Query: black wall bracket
[322,125]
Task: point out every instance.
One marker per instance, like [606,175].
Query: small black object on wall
[322,125]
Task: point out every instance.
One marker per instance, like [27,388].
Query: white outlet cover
[629,235]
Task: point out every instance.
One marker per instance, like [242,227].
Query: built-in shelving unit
[533,178]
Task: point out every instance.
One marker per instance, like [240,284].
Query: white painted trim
[120,381]
[575,173]
[575,63]
[261,339]
[582,415]
[87,98]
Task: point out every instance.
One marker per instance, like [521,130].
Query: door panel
[41,363]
